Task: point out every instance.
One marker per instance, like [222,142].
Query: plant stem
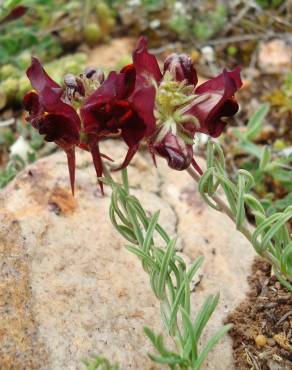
[125,179]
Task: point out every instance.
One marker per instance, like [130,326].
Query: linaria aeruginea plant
[170,280]
[164,109]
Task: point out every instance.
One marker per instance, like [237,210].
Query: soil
[262,333]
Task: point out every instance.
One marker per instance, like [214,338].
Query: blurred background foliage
[255,34]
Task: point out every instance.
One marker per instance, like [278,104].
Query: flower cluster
[140,103]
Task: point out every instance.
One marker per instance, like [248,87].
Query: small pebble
[261,340]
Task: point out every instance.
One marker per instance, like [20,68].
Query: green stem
[125,179]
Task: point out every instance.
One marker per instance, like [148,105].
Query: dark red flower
[181,67]
[216,100]
[146,65]
[58,121]
[181,108]
[170,140]
[119,107]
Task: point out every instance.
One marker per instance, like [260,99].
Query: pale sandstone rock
[84,293]
[108,55]
[275,56]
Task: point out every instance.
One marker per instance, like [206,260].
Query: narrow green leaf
[127,233]
[135,224]
[254,125]
[250,148]
[249,183]
[190,345]
[204,315]
[149,233]
[136,205]
[115,205]
[194,268]
[265,158]
[254,204]
[164,268]
[240,210]
[286,260]
[221,158]
[144,257]
[170,360]
[267,223]
[209,346]
[286,216]
[150,334]
[203,186]
[125,179]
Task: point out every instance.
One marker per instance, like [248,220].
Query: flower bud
[174,149]
[70,81]
[80,86]
[74,84]
[89,72]
[181,67]
[94,74]
[100,75]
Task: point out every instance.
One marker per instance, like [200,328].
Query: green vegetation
[99,363]
[266,164]
[47,33]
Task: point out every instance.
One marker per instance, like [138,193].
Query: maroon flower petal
[143,102]
[129,156]
[146,64]
[129,79]
[48,113]
[219,102]
[52,104]
[96,157]
[38,77]
[181,67]
[58,127]
[109,109]
[31,103]
[121,105]
[133,131]
[71,166]
[97,108]
[218,83]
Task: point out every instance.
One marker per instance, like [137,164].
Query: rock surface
[109,55]
[275,56]
[69,289]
